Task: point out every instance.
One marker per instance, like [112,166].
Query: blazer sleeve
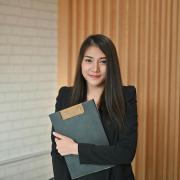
[124,151]
[57,108]
[59,165]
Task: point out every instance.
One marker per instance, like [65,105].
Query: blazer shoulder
[63,98]
[129,92]
[65,90]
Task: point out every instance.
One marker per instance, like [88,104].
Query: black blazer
[120,152]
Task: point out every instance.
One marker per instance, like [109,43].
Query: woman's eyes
[104,61]
[88,60]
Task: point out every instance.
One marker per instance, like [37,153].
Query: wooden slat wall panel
[147,37]
[177,103]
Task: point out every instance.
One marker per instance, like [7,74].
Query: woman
[98,77]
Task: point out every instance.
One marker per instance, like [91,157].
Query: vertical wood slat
[163,92]
[114,16]
[123,31]
[167,87]
[147,37]
[160,95]
[177,105]
[172,135]
[98,25]
[116,39]
[142,86]
[175,82]
[90,17]
[74,34]
[152,87]
[63,36]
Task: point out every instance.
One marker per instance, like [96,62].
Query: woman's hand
[65,145]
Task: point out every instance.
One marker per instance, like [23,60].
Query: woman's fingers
[59,136]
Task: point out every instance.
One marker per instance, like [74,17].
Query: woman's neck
[95,93]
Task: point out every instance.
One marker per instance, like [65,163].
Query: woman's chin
[95,84]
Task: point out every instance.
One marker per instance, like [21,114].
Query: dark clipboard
[82,123]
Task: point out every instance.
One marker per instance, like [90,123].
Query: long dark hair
[112,99]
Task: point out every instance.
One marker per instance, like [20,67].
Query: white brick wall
[28,55]
[28,169]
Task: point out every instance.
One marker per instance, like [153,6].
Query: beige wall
[147,37]
[28,62]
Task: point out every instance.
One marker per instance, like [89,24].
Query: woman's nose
[95,67]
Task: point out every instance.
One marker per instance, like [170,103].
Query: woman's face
[94,66]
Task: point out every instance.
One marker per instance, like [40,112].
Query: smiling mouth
[95,76]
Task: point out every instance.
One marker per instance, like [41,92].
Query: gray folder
[81,123]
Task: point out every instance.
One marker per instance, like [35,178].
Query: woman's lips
[95,76]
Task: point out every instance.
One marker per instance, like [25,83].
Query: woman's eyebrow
[88,56]
[92,57]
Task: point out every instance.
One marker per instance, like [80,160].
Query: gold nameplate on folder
[72,111]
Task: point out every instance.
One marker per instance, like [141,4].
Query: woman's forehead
[95,52]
